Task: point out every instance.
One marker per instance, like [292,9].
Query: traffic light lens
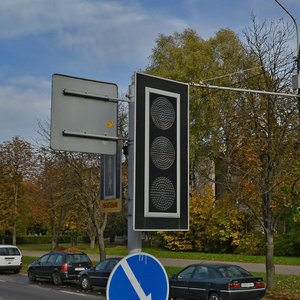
[162,153]
[162,193]
[162,113]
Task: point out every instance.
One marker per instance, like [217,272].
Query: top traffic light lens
[162,113]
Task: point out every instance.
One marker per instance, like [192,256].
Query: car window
[59,259]
[186,273]
[13,251]
[102,265]
[233,271]
[111,265]
[9,251]
[52,258]
[201,273]
[44,258]
[77,258]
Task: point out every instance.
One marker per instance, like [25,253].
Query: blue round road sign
[138,276]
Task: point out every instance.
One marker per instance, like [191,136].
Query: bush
[176,241]
[42,239]
[287,245]
[251,243]
[39,239]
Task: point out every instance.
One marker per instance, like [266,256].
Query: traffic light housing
[161,154]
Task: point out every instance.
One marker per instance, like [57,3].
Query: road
[251,267]
[16,287]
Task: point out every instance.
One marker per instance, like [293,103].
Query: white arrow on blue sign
[138,276]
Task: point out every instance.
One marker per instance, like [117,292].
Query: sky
[105,40]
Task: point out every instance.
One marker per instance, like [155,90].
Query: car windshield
[233,271]
[77,258]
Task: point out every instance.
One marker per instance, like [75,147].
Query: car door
[50,265]
[179,284]
[39,266]
[95,274]
[199,283]
[101,273]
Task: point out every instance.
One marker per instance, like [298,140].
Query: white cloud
[22,103]
[92,29]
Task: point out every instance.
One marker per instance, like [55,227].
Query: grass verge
[122,251]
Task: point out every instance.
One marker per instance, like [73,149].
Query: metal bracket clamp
[92,136]
[67,92]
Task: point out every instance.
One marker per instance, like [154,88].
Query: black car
[59,266]
[216,282]
[98,276]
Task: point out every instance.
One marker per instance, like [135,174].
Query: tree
[84,182]
[54,191]
[244,143]
[271,128]
[215,226]
[17,161]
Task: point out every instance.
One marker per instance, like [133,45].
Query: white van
[10,258]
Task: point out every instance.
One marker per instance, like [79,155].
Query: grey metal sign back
[83,115]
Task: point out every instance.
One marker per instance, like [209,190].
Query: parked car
[98,276]
[216,282]
[59,266]
[10,258]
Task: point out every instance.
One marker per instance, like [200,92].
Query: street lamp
[297,35]
[295,77]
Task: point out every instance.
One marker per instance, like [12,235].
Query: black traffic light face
[161,159]
[161,154]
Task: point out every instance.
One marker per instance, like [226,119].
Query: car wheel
[31,275]
[16,271]
[214,296]
[56,278]
[85,283]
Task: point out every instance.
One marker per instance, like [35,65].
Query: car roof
[5,246]
[111,258]
[66,252]
[214,264]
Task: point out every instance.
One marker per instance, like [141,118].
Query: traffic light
[161,154]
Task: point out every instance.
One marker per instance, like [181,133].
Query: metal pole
[297,57]
[134,242]
[297,34]
[217,87]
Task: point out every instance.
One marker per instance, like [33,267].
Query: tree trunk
[92,242]
[14,231]
[99,229]
[270,267]
[269,233]
[100,236]
[101,246]
[54,240]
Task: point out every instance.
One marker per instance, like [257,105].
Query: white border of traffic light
[147,213]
